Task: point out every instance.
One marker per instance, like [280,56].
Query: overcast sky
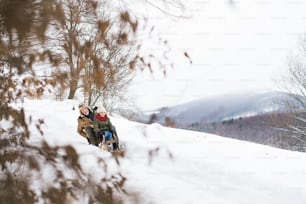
[234,48]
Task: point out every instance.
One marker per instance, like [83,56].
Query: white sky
[234,48]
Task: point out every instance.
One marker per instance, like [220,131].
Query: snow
[187,167]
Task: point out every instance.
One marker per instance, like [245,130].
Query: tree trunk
[72,89]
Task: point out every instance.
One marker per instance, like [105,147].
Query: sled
[108,145]
[119,152]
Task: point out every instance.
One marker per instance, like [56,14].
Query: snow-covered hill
[223,107]
[187,167]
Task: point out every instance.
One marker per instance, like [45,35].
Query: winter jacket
[85,121]
[102,123]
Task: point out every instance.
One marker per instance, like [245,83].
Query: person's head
[84,109]
[101,111]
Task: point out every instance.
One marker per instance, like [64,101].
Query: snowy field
[188,167]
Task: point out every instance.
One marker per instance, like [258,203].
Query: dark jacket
[102,124]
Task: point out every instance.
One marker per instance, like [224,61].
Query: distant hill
[251,116]
[219,108]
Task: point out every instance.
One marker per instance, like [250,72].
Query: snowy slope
[189,167]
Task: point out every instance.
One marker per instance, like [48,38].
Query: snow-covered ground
[187,167]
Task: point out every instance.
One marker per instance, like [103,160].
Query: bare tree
[119,56]
[71,42]
[295,79]
[97,51]
[24,27]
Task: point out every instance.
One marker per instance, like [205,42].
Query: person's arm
[96,126]
[80,128]
[111,127]
[109,124]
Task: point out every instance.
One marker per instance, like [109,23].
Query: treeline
[269,129]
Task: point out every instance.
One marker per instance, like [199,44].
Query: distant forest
[264,129]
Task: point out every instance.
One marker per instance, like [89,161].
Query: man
[85,124]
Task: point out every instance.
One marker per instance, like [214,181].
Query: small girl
[103,126]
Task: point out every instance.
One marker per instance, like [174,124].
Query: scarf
[101,118]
